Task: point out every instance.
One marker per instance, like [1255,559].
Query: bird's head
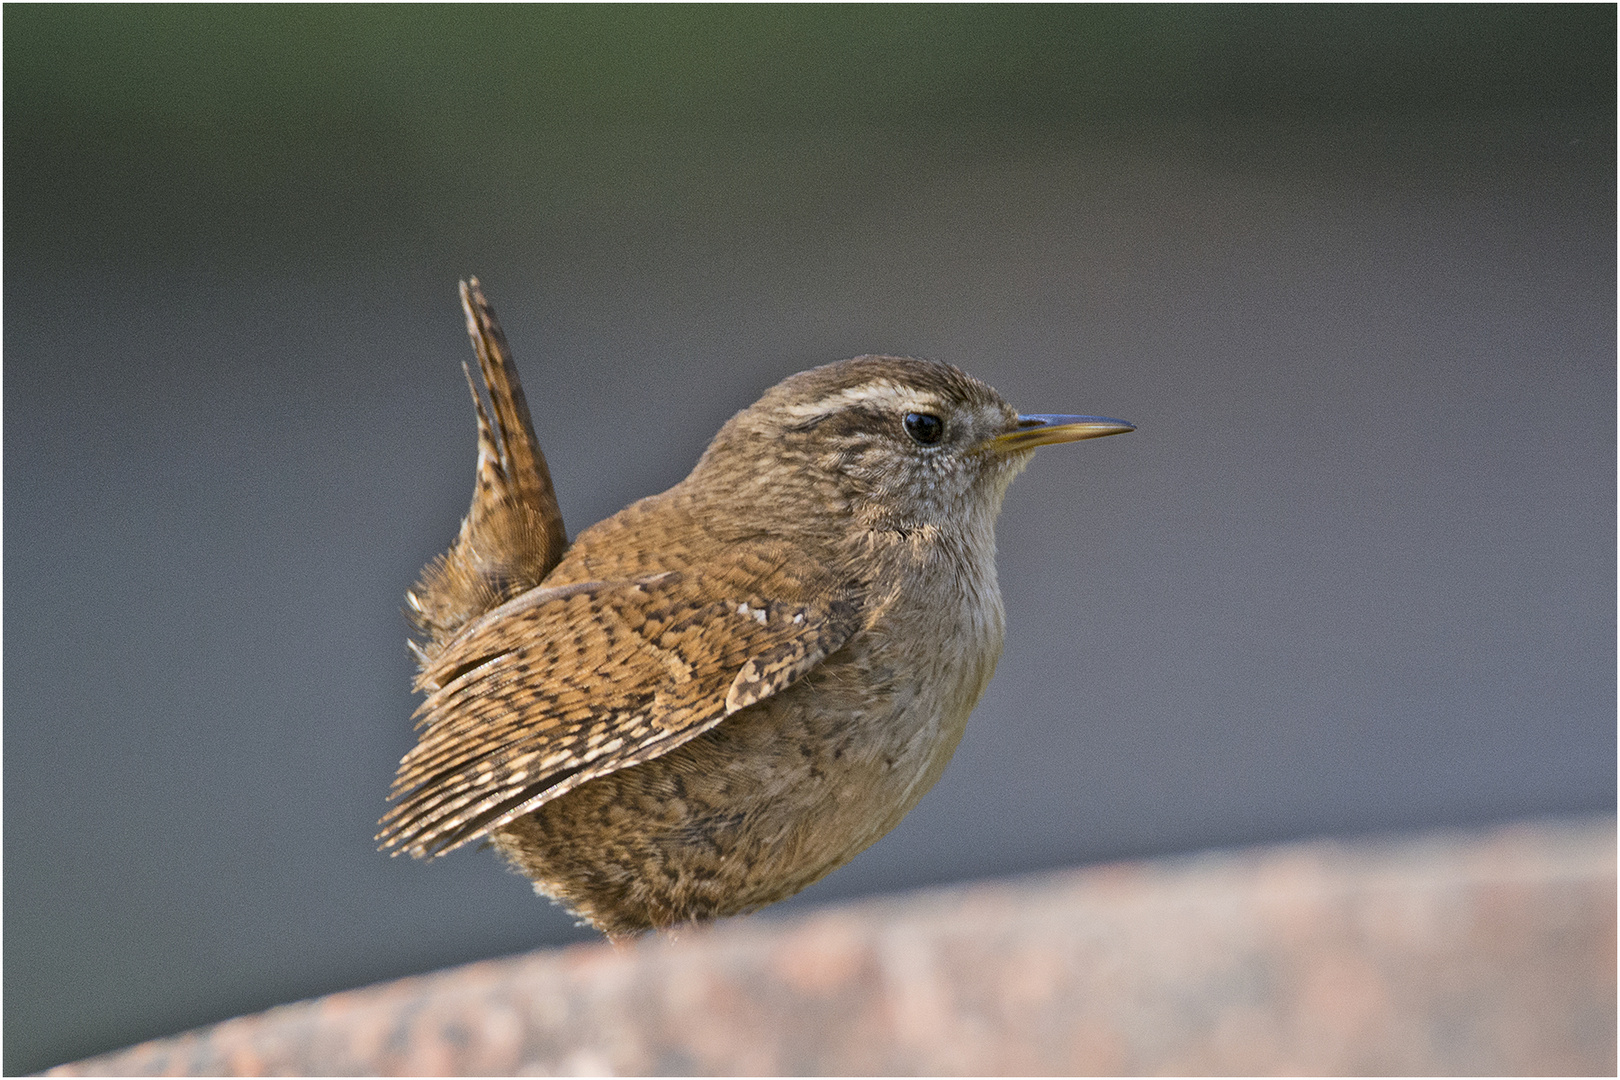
[892,443]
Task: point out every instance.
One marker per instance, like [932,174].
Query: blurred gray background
[1350,270]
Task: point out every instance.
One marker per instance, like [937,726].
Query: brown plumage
[723,692]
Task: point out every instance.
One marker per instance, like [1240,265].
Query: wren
[723,692]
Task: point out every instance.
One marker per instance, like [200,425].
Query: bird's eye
[925,429]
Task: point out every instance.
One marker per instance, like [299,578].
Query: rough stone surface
[1480,953]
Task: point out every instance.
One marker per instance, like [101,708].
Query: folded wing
[564,684]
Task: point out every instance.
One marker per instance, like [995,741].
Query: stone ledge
[1485,953]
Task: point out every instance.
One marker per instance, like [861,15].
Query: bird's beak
[1033,431]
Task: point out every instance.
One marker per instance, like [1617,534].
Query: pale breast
[941,639]
[888,710]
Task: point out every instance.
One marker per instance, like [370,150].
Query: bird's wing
[513,533]
[564,684]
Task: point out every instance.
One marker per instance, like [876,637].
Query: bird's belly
[768,801]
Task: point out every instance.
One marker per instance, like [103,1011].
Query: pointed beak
[1039,430]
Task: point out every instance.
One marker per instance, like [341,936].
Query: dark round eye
[925,428]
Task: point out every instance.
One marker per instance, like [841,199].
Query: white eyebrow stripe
[882,392]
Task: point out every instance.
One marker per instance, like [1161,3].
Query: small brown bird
[724,692]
